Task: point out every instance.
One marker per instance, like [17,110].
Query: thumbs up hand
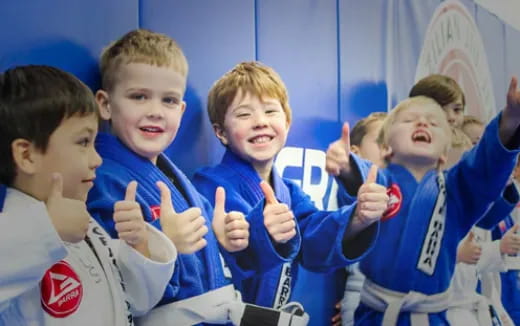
[510,242]
[278,218]
[69,216]
[469,251]
[129,222]
[372,199]
[187,229]
[337,157]
[231,229]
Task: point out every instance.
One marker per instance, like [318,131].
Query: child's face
[145,107]
[419,136]
[455,112]
[474,132]
[368,148]
[254,129]
[71,153]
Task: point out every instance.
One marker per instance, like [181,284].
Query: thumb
[372,174]
[515,228]
[56,190]
[471,236]
[220,202]
[512,86]
[131,189]
[345,135]
[166,198]
[270,198]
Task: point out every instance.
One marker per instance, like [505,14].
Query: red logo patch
[394,203]
[156,212]
[61,290]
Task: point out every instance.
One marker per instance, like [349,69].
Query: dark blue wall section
[215,36]
[299,40]
[66,34]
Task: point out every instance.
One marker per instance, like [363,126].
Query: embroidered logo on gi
[61,290]
[394,203]
[156,212]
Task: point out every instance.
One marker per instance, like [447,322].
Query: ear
[103,102]
[220,133]
[25,156]
[183,106]
[355,149]
[386,152]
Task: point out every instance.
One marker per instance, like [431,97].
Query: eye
[138,97]
[458,110]
[171,100]
[84,142]
[243,115]
[271,111]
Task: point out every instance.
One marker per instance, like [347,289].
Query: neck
[264,170]
[28,186]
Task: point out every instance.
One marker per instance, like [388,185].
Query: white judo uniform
[99,281]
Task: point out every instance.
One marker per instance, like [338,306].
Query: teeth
[261,139]
[421,136]
[150,129]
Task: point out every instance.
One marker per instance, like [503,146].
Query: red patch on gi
[156,212]
[61,290]
[394,203]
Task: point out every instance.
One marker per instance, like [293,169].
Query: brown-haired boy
[59,266]
[249,109]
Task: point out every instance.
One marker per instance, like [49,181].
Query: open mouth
[421,136]
[151,129]
[260,139]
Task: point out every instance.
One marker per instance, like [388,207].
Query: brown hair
[441,88]
[361,127]
[34,100]
[253,77]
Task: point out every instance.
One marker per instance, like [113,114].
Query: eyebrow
[90,130]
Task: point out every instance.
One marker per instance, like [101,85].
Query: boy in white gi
[59,267]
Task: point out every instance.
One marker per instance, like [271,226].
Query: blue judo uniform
[195,273]
[321,232]
[416,252]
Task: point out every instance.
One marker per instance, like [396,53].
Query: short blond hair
[382,138]
[141,46]
[249,77]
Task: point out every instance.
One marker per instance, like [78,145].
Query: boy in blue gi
[144,78]
[410,268]
[59,267]
[250,113]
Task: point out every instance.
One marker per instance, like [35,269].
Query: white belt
[219,306]
[478,303]
[392,303]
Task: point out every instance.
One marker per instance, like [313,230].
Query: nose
[260,119]
[94,159]
[451,116]
[155,110]
[422,121]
